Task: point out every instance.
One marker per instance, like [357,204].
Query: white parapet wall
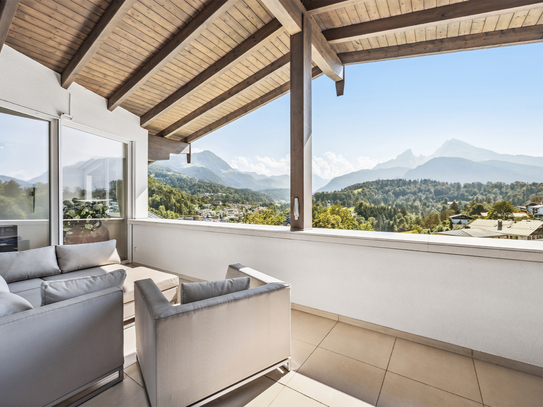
[481,294]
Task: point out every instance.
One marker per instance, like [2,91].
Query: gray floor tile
[347,375]
[291,398]
[125,394]
[135,374]
[444,370]
[400,391]
[361,344]
[310,328]
[503,387]
[258,393]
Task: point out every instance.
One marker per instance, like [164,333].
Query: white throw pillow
[12,303]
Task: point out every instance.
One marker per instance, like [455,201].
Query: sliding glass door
[24,182]
[94,195]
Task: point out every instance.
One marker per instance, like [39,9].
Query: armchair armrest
[257,278]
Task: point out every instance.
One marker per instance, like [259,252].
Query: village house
[461,219]
[521,230]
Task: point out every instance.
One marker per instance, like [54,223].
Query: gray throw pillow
[4,288]
[35,263]
[60,290]
[83,256]
[12,303]
[191,292]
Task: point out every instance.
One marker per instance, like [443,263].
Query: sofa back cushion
[35,263]
[82,256]
[60,290]
[192,292]
[12,303]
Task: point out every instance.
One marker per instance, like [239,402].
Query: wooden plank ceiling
[188,67]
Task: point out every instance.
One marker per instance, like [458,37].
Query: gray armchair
[190,354]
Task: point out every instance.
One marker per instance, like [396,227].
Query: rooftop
[481,233]
[510,227]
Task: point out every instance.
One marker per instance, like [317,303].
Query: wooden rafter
[103,28]
[240,87]
[185,36]
[7,12]
[323,6]
[160,148]
[248,108]
[420,19]
[214,71]
[289,13]
[514,36]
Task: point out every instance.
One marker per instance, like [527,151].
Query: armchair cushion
[12,303]
[83,256]
[60,290]
[17,266]
[192,292]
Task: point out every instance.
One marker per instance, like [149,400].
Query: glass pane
[24,182]
[94,197]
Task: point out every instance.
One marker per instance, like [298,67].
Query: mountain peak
[406,154]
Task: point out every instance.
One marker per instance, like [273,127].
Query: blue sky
[490,98]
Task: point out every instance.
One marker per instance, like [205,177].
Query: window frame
[55,169]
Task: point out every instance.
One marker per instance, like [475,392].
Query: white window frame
[55,165]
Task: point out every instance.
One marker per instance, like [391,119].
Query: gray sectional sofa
[51,351]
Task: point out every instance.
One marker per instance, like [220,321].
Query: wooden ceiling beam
[248,108]
[161,148]
[324,6]
[225,96]
[214,71]
[289,13]
[7,12]
[201,22]
[426,18]
[101,31]
[514,36]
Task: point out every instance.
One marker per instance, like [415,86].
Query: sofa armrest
[257,278]
[60,347]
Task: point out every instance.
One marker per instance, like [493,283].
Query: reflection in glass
[93,170]
[24,182]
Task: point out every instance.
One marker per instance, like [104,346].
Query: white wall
[469,296]
[27,84]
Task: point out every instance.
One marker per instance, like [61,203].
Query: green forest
[17,202]
[207,191]
[384,205]
[169,202]
[426,196]
[425,206]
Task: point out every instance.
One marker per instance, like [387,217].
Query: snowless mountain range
[454,161]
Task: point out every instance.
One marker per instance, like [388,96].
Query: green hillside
[425,196]
[207,191]
[169,202]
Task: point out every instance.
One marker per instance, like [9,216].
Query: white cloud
[247,165]
[333,165]
[328,166]
[282,166]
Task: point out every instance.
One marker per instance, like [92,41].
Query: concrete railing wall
[481,294]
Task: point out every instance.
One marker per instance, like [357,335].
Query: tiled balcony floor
[340,365]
